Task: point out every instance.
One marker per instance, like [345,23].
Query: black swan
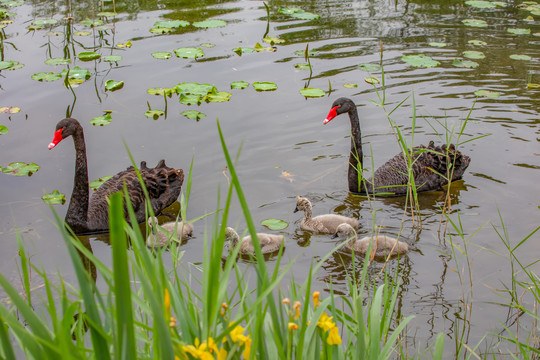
[326,223]
[432,165]
[85,216]
[269,242]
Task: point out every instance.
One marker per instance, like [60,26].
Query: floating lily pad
[77,73]
[127,44]
[474,22]
[312,92]
[102,120]
[189,53]
[298,13]
[533,86]
[481,4]
[161,91]
[264,86]
[34,27]
[12,3]
[350,85]
[520,57]
[162,55]
[191,99]
[420,60]
[57,61]
[221,96]
[258,47]
[159,30]
[46,76]
[154,114]
[465,63]
[206,24]
[437,44]
[97,183]
[274,224]
[16,65]
[171,24]
[310,53]
[193,114]
[9,110]
[112,58]
[54,33]
[519,31]
[472,54]
[91,23]
[371,80]
[88,56]
[41,22]
[477,42]
[107,14]
[243,50]
[208,45]
[239,85]
[302,66]
[113,85]
[273,40]
[487,93]
[195,89]
[55,197]
[6,64]
[82,33]
[3,130]
[21,169]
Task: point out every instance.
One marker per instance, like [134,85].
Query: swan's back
[269,242]
[382,246]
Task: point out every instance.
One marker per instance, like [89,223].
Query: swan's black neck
[77,213]
[356,155]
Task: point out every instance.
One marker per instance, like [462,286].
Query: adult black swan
[432,165]
[86,215]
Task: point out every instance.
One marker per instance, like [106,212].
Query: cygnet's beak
[296,209]
[334,236]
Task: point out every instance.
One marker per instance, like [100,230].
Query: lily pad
[113,85]
[474,22]
[20,169]
[533,86]
[41,22]
[487,93]
[171,24]
[9,110]
[193,114]
[208,45]
[189,53]
[420,60]
[299,13]
[57,61]
[6,64]
[33,27]
[3,130]
[16,65]
[264,86]
[77,73]
[312,92]
[472,54]
[55,197]
[465,63]
[91,23]
[112,58]
[162,55]
[302,66]
[258,47]
[161,91]
[97,183]
[159,30]
[221,96]
[243,50]
[191,99]
[520,57]
[82,33]
[371,80]
[310,53]
[273,40]
[350,85]
[127,44]
[154,114]
[477,42]
[206,24]
[195,89]
[274,224]
[107,14]
[102,120]
[481,4]
[46,76]
[88,56]
[239,85]
[437,44]
[518,31]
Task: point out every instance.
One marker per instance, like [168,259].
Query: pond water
[285,149]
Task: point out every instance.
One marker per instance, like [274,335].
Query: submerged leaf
[274,224]
[82,33]
[189,53]
[55,197]
[239,85]
[113,85]
[369,67]
[298,13]
[310,53]
[97,183]
[312,92]
[420,60]
[206,24]
[193,114]
[208,45]
[487,93]
[21,169]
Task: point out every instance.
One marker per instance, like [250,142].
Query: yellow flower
[222,354]
[316,301]
[325,322]
[297,305]
[247,349]
[333,336]
[237,335]
[292,326]
[167,303]
[286,301]
[201,351]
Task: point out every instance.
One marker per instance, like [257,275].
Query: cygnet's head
[302,204]
[344,231]
[231,235]
[152,221]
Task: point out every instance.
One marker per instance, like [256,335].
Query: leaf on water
[298,13]
[312,92]
[102,120]
[206,24]
[533,86]
[208,45]
[189,53]
[472,54]
[107,14]
[41,22]
[437,44]
[9,110]
[302,66]
[481,4]
[91,23]
[161,91]
[88,56]
[112,58]
[520,57]
[258,47]
[474,22]
[159,30]
[97,183]
[371,80]
[34,27]
[77,73]
[55,197]
[3,130]
[171,24]
[487,93]
[6,64]
[193,114]
[273,40]
[82,33]
[302,53]
[20,169]
[264,86]
[191,99]
[221,96]
[16,65]
[465,63]
[58,61]
[46,76]
[154,114]
[113,85]
[195,89]
[124,45]
[239,85]
[350,85]
[477,42]
[243,50]
[519,31]
[162,55]
[420,60]
[274,224]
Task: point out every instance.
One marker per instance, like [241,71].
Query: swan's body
[326,223]
[432,165]
[163,234]
[85,215]
[382,245]
[269,242]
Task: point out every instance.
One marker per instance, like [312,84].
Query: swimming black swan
[429,162]
[83,216]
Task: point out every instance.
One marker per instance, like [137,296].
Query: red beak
[332,114]
[57,138]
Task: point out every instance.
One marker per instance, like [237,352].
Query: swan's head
[302,204]
[344,231]
[231,236]
[340,106]
[64,129]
